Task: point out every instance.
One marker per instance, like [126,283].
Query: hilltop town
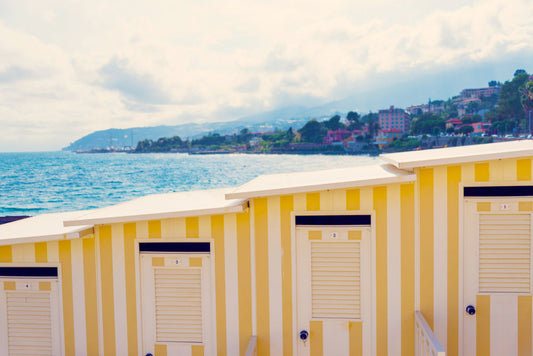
[500,111]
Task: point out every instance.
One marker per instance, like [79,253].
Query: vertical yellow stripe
[454,178]
[356,338]
[316,338]
[523,169]
[5,254]
[482,172]
[245,280]
[353,199]
[108,304]
[407,201]
[91,304]
[130,234]
[217,230]
[261,266]
[198,350]
[524,325]
[287,205]
[313,201]
[41,252]
[65,259]
[426,244]
[154,229]
[192,227]
[380,206]
[483,325]
[160,350]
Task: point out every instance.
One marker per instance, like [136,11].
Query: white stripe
[52,251]
[326,200]
[504,325]
[369,331]
[509,170]
[172,228]
[142,229]
[204,227]
[339,200]
[440,254]
[394,270]
[119,289]
[252,268]
[232,286]
[336,336]
[78,297]
[99,291]
[274,276]
[299,202]
[23,252]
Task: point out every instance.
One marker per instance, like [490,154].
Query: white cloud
[66,70]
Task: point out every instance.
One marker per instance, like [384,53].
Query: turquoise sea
[43,182]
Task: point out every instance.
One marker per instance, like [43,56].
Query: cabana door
[333,290]
[175,297]
[497,276]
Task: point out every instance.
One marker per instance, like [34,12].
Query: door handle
[470,310]
[304,334]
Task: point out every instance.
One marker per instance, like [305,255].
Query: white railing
[426,343]
[251,350]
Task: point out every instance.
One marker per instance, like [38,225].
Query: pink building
[394,118]
[336,136]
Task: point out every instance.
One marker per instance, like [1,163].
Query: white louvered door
[333,287]
[176,303]
[497,270]
[29,317]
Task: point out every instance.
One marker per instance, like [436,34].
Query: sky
[70,67]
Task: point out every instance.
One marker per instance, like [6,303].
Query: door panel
[497,272]
[333,289]
[176,304]
[29,317]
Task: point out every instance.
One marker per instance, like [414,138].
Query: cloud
[14,73]
[137,87]
[88,66]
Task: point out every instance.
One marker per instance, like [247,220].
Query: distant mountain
[293,116]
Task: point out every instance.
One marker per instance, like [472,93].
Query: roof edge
[316,187]
[457,160]
[142,217]
[80,233]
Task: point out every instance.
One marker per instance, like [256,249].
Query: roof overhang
[458,155]
[303,182]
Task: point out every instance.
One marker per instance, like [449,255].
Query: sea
[45,182]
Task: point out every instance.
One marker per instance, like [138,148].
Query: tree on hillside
[372,120]
[313,131]
[466,130]
[354,121]
[510,105]
[334,123]
[426,124]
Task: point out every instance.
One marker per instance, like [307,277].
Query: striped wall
[417,266]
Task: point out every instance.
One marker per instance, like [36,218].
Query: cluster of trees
[314,131]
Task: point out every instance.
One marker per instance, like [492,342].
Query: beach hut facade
[428,252]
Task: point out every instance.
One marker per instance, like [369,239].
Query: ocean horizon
[33,183]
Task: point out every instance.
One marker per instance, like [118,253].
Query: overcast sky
[70,67]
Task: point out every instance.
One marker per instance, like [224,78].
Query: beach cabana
[425,253]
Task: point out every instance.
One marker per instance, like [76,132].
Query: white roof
[340,178]
[462,154]
[163,206]
[45,227]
